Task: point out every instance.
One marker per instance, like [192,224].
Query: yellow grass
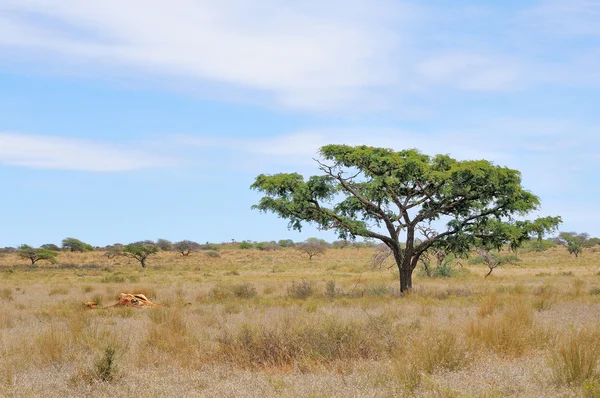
[272,323]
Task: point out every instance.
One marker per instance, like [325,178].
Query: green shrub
[106,367]
[595,290]
[246,245]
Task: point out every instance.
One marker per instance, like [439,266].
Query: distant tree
[313,247]
[267,246]
[574,242]
[75,245]
[286,243]
[140,251]
[50,246]
[35,255]
[541,245]
[341,243]
[246,245]
[492,259]
[114,251]
[185,247]
[164,245]
[593,242]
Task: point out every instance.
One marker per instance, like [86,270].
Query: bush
[226,291]
[246,245]
[595,291]
[105,367]
[300,290]
[213,254]
[244,290]
[443,271]
[267,246]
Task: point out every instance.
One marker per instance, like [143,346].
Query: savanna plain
[234,323]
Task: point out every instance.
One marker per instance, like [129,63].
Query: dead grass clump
[244,290]
[6,294]
[169,339]
[577,287]
[544,297]
[490,306]
[511,333]
[52,345]
[437,349]
[224,291]
[576,357]
[315,341]
[7,319]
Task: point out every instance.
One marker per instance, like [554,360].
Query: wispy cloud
[297,52]
[312,55]
[44,152]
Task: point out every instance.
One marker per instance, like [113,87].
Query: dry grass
[252,323]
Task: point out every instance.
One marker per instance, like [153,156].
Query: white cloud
[44,152]
[297,52]
[310,55]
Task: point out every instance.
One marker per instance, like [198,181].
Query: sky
[129,120]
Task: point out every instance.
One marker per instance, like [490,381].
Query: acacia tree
[575,242]
[312,247]
[35,255]
[185,247]
[386,195]
[140,251]
[75,245]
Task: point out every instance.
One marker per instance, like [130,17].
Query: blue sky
[122,121]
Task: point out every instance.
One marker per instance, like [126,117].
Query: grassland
[272,323]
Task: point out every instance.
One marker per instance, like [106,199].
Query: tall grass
[511,333]
[576,357]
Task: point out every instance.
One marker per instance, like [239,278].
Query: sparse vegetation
[227,321]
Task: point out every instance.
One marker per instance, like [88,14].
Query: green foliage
[443,271]
[185,247]
[286,243]
[267,246]
[575,243]
[75,245]
[35,255]
[140,251]
[114,251]
[246,245]
[50,246]
[539,245]
[105,368]
[363,188]
[164,245]
[342,243]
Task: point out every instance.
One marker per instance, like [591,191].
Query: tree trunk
[404,271]
[143,262]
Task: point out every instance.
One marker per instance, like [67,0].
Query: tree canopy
[35,255]
[388,195]
[75,245]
